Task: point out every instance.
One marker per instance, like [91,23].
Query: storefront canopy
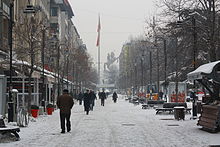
[209,70]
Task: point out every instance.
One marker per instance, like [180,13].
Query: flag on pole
[98,30]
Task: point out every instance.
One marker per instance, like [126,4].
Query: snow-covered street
[115,125]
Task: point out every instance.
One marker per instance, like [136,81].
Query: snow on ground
[115,125]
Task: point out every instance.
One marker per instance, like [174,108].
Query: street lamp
[165,63]
[151,88]
[10,103]
[142,74]
[58,65]
[194,33]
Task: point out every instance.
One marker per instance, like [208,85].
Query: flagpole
[99,69]
[98,45]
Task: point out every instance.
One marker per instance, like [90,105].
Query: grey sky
[119,20]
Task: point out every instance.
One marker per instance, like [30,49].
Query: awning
[209,70]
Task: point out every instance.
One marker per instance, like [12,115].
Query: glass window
[54,11]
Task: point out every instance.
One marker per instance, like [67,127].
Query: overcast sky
[120,19]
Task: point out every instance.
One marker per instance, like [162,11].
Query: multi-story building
[4,27]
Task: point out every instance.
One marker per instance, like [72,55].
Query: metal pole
[150,75]
[67,72]
[10,104]
[194,43]
[165,67]
[42,60]
[194,65]
[58,70]
[142,75]
[176,59]
[158,65]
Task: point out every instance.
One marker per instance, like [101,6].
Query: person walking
[80,98]
[99,94]
[65,103]
[114,97]
[87,101]
[103,97]
[93,98]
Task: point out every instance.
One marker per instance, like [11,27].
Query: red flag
[98,30]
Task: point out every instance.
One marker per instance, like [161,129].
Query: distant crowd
[65,103]
[89,98]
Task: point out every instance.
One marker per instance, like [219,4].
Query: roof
[68,8]
[202,70]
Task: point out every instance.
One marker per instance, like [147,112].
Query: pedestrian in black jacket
[87,101]
[103,97]
[93,97]
[114,97]
[80,98]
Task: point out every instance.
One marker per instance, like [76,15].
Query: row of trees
[35,44]
[182,36]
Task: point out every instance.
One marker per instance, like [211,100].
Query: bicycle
[22,117]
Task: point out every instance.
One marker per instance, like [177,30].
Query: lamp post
[165,67]
[42,60]
[142,75]
[194,34]
[151,76]
[10,104]
[135,79]
[194,64]
[58,66]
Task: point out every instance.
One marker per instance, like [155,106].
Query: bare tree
[28,35]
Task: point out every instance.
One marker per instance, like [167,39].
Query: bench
[12,130]
[187,110]
[170,107]
[135,102]
[164,110]
[145,106]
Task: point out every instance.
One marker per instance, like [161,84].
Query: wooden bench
[145,106]
[187,110]
[170,107]
[12,130]
[135,102]
[164,110]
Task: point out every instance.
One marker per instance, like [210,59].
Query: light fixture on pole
[10,103]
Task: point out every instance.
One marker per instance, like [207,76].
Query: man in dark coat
[114,97]
[93,97]
[160,95]
[80,98]
[65,104]
[87,101]
[103,97]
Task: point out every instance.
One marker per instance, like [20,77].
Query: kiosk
[209,76]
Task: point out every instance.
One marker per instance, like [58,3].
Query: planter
[34,112]
[50,111]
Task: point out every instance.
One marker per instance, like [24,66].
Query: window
[6,8]
[54,11]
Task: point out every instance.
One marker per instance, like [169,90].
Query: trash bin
[179,113]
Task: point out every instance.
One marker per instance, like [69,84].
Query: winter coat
[65,103]
[93,96]
[87,100]
[115,96]
[80,97]
[102,95]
